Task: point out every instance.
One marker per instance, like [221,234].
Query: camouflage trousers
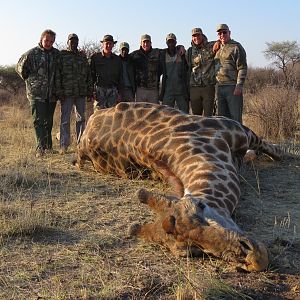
[42,115]
[105,97]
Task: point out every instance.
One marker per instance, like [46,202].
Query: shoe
[63,150]
[39,153]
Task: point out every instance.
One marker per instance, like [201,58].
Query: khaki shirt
[231,64]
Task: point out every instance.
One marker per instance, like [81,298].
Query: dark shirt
[106,71]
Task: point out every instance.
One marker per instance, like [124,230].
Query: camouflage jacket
[201,65]
[76,77]
[231,64]
[147,67]
[39,68]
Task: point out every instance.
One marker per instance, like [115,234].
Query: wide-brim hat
[108,38]
[72,36]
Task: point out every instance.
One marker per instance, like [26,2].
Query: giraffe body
[197,156]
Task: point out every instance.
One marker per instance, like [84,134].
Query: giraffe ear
[168,224]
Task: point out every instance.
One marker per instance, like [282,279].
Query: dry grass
[274,113]
[63,232]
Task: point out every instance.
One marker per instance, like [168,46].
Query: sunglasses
[222,32]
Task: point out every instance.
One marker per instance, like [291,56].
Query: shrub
[273,112]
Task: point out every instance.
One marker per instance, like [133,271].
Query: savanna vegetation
[63,232]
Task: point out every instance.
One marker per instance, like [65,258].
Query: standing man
[128,82]
[39,68]
[106,69]
[146,62]
[201,74]
[231,71]
[174,81]
[76,85]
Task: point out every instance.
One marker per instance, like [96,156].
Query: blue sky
[252,23]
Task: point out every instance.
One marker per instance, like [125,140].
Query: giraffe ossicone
[198,157]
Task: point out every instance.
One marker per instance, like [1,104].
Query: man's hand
[181,50]
[238,91]
[90,98]
[119,98]
[216,46]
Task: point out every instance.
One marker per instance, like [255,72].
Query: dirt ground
[63,232]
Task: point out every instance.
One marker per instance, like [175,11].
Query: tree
[284,55]
[88,47]
[10,81]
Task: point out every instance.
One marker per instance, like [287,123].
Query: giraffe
[198,157]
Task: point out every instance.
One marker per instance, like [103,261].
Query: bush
[10,81]
[273,112]
[258,78]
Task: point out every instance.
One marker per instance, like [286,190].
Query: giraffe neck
[213,214]
[215,185]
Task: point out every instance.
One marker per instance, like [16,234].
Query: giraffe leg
[271,150]
[262,146]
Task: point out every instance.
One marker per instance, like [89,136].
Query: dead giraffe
[198,157]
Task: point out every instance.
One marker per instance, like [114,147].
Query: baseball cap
[222,27]
[197,31]
[72,36]
[171,36]
[145,37]
[124,45]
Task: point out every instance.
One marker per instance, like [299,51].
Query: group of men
[192,79]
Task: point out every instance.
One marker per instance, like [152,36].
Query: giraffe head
[186,224]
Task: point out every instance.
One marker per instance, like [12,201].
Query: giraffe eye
[201,205]
[246,245]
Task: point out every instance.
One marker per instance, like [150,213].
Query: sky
[252,23]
